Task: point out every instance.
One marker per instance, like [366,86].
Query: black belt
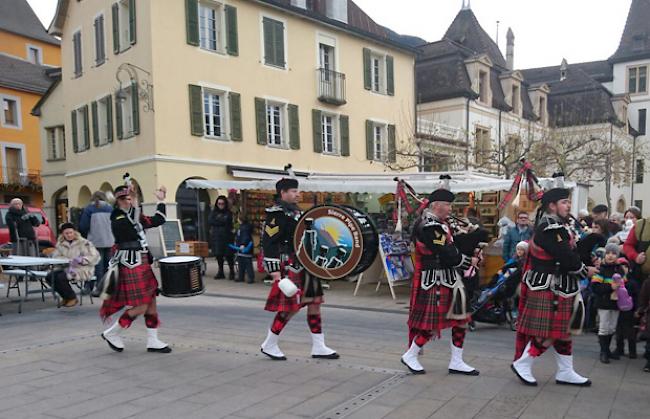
[129,246]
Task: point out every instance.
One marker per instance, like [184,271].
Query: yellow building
[27,55]
[188,89]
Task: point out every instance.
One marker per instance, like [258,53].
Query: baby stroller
[494,303]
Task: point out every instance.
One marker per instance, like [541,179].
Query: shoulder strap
[639,233]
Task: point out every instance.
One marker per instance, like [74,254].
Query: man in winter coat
[95,225]
[21,225]
[519,233]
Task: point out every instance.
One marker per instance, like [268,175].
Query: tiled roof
[635,42]
[465,30]
[22,75]
[601,71]
[442,78]
[17,17]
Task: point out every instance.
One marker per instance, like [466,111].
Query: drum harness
[129,254]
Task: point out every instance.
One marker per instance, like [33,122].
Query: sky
[545,30]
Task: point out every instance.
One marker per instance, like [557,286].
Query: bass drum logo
[329,242]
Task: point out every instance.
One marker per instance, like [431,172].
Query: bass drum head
[179,259]
[334,241]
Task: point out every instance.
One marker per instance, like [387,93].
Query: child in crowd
[243,248]
[625,329]
[604,286]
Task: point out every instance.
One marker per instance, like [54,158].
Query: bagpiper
[551,306]
[280,262]
[438,299]
[137,286]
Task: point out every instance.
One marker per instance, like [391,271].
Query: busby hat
[442,194]
[286,184]
[121,191]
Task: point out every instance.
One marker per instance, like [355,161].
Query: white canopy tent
[365,183]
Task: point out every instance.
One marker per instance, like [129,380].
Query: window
[639,204]
[639,171]
[55,143]
[34,54]
[637,79]
[542,109]
[483,86]
[126,112]
[76,49]
[103,121]
[514,148]
[275,114]
[329,134]
[214,113]
[642,121]
[379,143]
[210,27]
[80,129]
[11,112]
[124,24]
[515,99]
[378,72]
[100,47]
[483,146]
[273,31]
[326,59]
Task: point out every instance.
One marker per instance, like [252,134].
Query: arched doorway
[60,200]
[193,209]
[82,200]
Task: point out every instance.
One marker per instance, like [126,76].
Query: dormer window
[483,86]
[637,81]
[515,99]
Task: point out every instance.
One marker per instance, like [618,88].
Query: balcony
[14,178]
[331,87]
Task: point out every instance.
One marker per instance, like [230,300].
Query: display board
[162,240]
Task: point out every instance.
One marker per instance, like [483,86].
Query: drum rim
[191,259]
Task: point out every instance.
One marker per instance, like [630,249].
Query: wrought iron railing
[18,177]
[331,86]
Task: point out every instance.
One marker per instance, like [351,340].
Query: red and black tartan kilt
[538,318]
[136,286]
[278,302]
[425,314]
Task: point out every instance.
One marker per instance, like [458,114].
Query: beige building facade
[186,89]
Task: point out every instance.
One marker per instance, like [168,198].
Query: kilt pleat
[136,286]
[538,317]
[278,302]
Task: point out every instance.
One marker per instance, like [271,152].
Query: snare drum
[181,276]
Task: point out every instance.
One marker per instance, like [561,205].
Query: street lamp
[145,89]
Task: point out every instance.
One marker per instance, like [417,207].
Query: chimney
[510,50]
[564,67]
[467,5]
[337,10]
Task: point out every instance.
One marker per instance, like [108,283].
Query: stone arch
[106,187]
[193,209]
[60,212]
[84,196]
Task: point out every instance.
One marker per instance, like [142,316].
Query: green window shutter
[93,106]
[86,128]
[370,152]
[392,150]
[316,121]
[192,22]
[232,42]
[235,116]
[390,76]
[109,117]
[196,110]
[118,119]
[367,75]
[260,119]
[294,127]
[132,25]
[268,41]
[75,134]
[135,102]
[116,27]
[278,39]
[344,126]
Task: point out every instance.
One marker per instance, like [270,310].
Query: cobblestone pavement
[53,364]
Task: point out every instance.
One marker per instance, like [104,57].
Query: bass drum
[334,241]
[181,276]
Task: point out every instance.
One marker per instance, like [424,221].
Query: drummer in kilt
[279,261]
[137,286]
[551,307]
[438,298]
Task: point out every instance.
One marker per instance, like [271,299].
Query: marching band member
[280,257]
[137,285]
[550,305]
[438,299]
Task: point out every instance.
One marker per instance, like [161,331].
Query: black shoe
[604,348]
[273,357]
[164,350]
[472,372]
[220,275]
[110,345]
[330,356]
[647,367]
[614,356]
